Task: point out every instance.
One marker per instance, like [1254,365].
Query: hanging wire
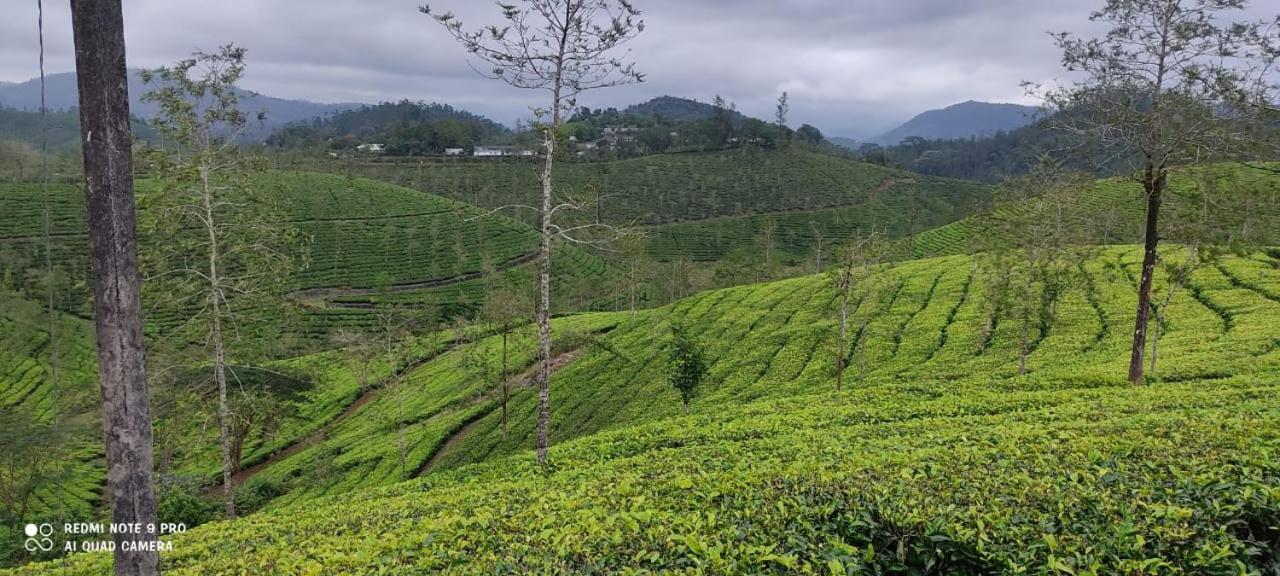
[48,264]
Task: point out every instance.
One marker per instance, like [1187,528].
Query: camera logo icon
[39,538]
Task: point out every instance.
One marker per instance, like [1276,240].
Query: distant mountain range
[62,94]
[964,120]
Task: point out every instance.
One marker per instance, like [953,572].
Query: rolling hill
[702,206]
[1117,210]
[943,460]
[371,242]
[964,120]
[676,109]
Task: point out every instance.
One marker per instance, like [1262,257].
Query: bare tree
[817,236]
[783,109]
[1167,85]
[395,329]
[780,115]
[205,208]
[634,252]
[564,48]
[98,27]
[1038,224]
[506,309]
[363,348]
[857,278]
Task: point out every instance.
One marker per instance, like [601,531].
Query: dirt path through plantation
[242,476]
[527,378]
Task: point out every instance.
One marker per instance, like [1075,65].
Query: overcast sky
[852,67]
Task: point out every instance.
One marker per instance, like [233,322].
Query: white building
[371,148]
[453,151]
[499,151]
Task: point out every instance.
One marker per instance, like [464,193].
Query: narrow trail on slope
[413,286]
[317,436]
[524,380]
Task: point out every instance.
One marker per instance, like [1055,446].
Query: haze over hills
[963,120]
[958,121]
[62,94]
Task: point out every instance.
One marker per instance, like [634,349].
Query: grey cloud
[853,67]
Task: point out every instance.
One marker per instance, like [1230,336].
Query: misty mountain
[964,120]
[62,94]
[61,128]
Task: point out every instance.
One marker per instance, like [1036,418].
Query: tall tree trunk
[224,415]
[632,276]
[1154,185]
[843,348]
[1160,313]
[862,349]
[506,331]
[219,351]
[1026,325]
[117,299]
[544,296]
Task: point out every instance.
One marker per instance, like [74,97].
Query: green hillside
[49,396]
[1117,209]
[701,187]
[371,242]
[944,460]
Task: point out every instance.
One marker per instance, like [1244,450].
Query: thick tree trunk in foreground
[117,298]
[1154,185]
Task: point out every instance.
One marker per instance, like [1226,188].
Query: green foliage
[1245,193]
[181,505]
[687,368]
[669,188]
[360,232]
[944,461]
[405,128]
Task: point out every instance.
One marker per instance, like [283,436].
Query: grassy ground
[943,460]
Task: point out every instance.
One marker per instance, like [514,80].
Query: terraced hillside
[49,396]
[1117,209]
[943,460]
[371,242]
[719,196]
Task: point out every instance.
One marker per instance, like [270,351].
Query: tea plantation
[704,205]
[1116,208]
[370,242]
[49,395]
[943,459]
